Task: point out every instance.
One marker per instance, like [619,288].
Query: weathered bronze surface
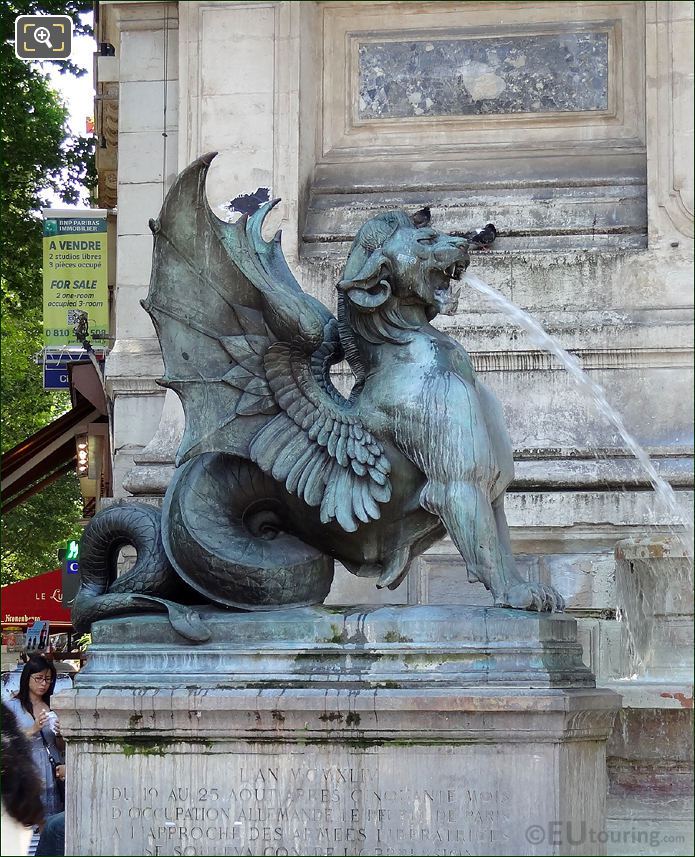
[277,473]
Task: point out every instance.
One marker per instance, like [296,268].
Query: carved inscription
[298,809]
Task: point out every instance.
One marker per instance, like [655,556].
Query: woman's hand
[60,772]
[40,721]
[43,719]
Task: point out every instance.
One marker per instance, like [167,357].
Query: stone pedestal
[650,753]
[351,731]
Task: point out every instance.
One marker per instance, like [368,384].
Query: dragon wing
[316,446]
[248,353]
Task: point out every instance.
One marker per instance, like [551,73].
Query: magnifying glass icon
[43,37]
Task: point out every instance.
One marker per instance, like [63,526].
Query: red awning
[36,598]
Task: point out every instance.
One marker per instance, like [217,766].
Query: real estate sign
[75,279]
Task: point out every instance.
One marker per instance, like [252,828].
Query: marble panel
[476,76]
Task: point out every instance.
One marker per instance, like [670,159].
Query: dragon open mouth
[446,293]
[448,276]
[455,271]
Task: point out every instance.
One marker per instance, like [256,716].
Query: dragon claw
[526,595]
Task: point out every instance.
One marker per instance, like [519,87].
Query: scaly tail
[147,587]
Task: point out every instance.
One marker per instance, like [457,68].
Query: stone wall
[144,74]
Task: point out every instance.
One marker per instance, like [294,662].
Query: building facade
[570,126]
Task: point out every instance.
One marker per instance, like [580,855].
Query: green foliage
[37,155]
[33,531]
[82,643]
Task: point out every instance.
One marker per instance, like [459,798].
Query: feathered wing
[318,448]
[248,353]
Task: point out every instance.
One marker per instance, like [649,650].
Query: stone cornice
[144,16]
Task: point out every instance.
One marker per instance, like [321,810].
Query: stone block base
[321,765]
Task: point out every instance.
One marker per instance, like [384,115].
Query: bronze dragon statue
[278,474]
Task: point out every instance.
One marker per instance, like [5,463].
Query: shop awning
[46,455]
[38,598]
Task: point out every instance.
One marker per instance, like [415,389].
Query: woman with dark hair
[32,708]
[21,788]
